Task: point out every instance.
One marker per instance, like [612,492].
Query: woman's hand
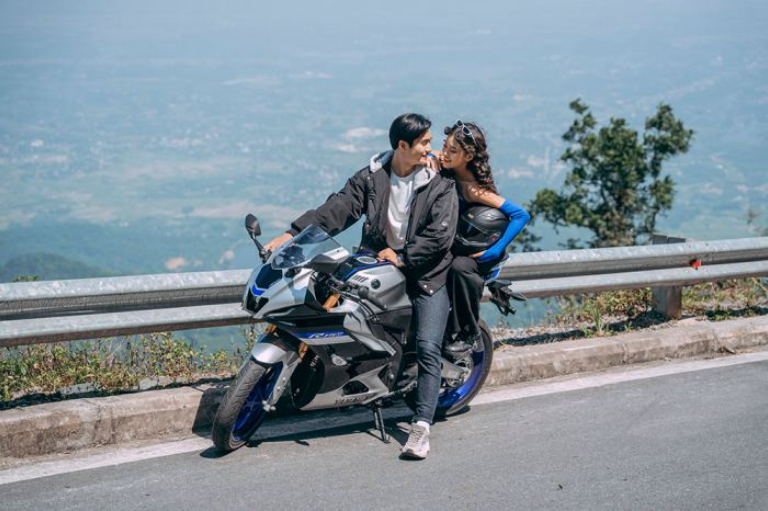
[433,161]
[477,255]
[390,255]
[272,245]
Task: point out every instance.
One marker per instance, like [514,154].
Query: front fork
[271,349]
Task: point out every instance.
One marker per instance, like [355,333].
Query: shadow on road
[303,427]
[394,431]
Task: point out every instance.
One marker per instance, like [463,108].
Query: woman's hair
[475,145]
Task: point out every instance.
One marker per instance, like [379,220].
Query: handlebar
[354,292]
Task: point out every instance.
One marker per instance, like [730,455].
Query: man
[411,214]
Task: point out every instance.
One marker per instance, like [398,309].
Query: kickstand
[378,420]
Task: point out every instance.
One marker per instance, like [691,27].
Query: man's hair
[408,127]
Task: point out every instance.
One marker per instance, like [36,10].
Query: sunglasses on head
[465,130]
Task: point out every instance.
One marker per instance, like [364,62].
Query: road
[693,438]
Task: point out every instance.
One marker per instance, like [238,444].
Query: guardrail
[51,311]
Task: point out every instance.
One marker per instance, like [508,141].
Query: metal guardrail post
[667,300]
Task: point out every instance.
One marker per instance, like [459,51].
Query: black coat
[431,224]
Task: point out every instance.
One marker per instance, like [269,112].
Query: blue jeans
[431,316]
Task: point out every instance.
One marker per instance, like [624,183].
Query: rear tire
[241,412]
[453,401]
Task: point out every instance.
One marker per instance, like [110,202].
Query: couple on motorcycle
[411,206]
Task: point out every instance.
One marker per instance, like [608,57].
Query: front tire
[242,411]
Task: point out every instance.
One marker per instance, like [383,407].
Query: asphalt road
[696,440]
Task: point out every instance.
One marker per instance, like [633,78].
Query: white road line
[600,380]
[128,455]
[117,457]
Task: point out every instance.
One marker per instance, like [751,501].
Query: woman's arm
[474,194]
[518,217]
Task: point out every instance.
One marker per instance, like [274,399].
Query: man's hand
[272,245]
[390,255]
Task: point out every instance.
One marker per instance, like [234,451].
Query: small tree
[614,188]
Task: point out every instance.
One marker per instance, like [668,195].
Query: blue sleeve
[518,217]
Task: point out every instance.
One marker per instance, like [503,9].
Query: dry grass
[624,311]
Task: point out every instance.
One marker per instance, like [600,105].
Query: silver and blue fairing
[282,281]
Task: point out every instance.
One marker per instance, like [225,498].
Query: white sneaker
[417,445]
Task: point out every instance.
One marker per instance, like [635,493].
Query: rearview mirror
[321,263]
[252,225]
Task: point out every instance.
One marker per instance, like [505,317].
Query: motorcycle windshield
[302,248]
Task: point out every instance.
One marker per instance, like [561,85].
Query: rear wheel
[456,396]
[242,410]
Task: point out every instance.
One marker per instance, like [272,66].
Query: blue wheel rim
[450,397]
[252,414]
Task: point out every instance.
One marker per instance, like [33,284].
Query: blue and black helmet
[479,228]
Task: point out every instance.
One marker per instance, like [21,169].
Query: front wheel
[242,410]
[455,396]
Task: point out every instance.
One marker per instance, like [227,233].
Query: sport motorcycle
[339,335]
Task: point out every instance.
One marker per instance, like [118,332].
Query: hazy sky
[90,90]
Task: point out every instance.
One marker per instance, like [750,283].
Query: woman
[465,155]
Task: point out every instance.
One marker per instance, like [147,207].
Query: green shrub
[110,365]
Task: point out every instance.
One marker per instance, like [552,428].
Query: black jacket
[431,224]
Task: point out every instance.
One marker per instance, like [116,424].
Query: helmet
[479,228]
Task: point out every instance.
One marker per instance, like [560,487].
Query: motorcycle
[339,335]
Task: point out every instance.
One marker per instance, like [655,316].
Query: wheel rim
[450,397]
[252,413]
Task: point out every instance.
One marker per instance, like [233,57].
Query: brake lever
[500,297]
[504,288]
[504,308]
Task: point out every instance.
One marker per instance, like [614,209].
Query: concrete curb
[79,423]
[687,339]
[70,425]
